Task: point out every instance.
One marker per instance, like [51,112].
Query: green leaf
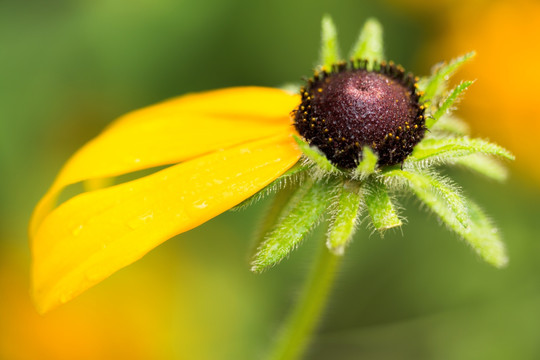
[345,217]
[448,102]
[298,217]
[370,43]
[379,206]
[368,164]
[435,85]
[316,156]
[447,150]
[438,194]
[484,165]
[329,45]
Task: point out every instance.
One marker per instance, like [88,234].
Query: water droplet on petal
[200,204]
[77,230]
[141,220]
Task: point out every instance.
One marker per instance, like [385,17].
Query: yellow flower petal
[174,131]
[248,103]
[94,234]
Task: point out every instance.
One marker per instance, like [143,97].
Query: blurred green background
[69,67]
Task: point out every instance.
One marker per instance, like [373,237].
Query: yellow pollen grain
[319,90]
[416,126]
[329,139]
[397,137]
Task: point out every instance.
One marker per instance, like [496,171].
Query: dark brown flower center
[352,107]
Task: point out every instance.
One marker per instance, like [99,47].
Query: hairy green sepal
[297,218]
[347,209]
[329,44]
[316,156]
[447,103]
[435,85]
[379,205]
[368,164]
[369,45]
[448,149]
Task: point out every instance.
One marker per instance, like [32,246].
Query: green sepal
[329,43]
[271,216]
[370,43]
[447,150]
[379,205]
[479,233]
[438,194]
[447,103]
[484,165]
[368,164]
[316,156]
[435,85]
[348,207]
[298,217]
[484,237]
[451,125]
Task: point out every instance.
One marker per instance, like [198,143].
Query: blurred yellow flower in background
[102,325]
[503,104]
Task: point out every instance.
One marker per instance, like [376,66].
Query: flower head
[348,107]
[368,130]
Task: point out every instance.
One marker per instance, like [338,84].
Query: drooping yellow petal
[94,234]
[174,131]
[241,103]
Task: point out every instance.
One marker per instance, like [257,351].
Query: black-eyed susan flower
[358,133]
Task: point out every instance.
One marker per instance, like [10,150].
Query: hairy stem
[303,320]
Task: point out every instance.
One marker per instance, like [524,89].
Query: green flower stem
[303,320]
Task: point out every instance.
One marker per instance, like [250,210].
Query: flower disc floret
[351,107]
